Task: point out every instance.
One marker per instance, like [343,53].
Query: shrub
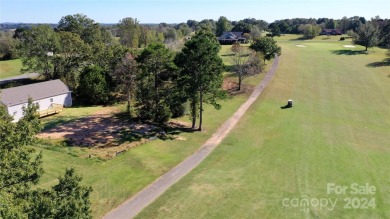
[93,87]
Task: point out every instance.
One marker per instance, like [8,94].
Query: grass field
[10,68]
[337,132]
[115,180]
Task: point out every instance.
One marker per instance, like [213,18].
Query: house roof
[18,95]
[237,34]
[231,36]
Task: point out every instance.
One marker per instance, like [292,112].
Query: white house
[51,96]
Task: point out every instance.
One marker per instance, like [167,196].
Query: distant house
[51,97]
[232,37]
[331,32]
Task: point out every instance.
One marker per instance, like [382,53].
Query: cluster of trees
[251,26]
[66,51]
[309,30]
[293,26]
[158,82]
[135,35]
[373,33]
[302,25]
[20,169]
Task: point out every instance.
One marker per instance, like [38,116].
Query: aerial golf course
[337,133]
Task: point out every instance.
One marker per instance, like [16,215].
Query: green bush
[93,88]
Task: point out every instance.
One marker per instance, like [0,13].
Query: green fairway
[337,132]
[10,68]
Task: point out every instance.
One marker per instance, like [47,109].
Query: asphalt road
[131,207]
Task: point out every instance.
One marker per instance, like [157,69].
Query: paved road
[23,76]
[131,207]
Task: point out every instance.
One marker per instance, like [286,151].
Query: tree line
[157,82]
[135,35]
[356,27]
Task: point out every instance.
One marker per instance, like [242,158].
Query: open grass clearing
[10,68]
[335,133]
[118,179]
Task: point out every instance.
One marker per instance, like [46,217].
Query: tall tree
[73,53]
[155,82]
[275,30]
[255,32]
[367,35]
[245,63]
[74,23]
[7,46]
[222,25]
[310,30]
[67,199]
[266,46]
[39,46]
[206,24]
[184,29]
[201,73]
[129,31]
[20,169]
[242,27]
[125,76]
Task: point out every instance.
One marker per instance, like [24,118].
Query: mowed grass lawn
[10,68]
[337,132]
[115,180]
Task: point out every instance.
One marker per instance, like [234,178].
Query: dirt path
[139,201]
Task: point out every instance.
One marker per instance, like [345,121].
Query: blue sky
[176,11]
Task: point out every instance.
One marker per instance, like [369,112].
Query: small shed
[51,97]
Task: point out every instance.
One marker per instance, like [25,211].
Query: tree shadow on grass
[18,82]
[384,63]
[349,52]
[299,38]
[229,68]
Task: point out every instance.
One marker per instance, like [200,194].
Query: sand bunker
[349,46]
[300,45]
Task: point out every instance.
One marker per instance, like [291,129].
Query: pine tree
[155,83]
[201,73]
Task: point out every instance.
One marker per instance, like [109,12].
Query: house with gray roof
[51,96]
[232,37]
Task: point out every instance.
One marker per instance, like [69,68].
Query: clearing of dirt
[349,46]
[300,45]
[232,86]
[105,135]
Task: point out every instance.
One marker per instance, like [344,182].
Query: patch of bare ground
[232,87]
[106,135]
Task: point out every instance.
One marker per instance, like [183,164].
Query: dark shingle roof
[37,91]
